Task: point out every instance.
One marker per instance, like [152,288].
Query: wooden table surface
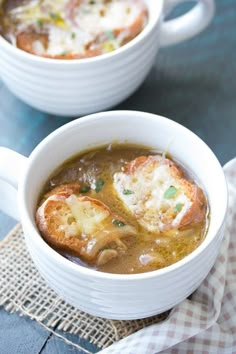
[193,83]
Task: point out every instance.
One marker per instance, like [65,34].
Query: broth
[165,247]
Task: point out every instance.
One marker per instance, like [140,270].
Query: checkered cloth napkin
[207,322]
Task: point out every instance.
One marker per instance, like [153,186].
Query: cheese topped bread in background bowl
[72,29]
[44,62]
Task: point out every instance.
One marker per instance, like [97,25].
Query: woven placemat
[23,290]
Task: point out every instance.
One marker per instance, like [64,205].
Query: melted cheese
[73,25]
[116,16]
[89,216]
[147,202]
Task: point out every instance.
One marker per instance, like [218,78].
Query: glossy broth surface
[101,164]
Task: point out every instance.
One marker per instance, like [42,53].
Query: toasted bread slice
[32,42]
[156,192]
[63,189]
[84,227]
[37,43]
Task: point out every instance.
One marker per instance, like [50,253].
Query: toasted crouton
[37,44]
[84,227]
[32,42]
[157,193]
[62,189]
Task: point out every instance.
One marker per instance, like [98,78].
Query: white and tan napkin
[207,322]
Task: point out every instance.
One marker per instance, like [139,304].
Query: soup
[122,209]
[71,29]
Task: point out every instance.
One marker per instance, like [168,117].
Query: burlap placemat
[24,290]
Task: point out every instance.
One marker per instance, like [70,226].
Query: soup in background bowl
[104,294]
[93,83]
[71,29]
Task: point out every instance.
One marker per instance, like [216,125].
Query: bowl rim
[69,265]
[83,61]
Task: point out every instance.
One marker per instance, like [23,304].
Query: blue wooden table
[193,83]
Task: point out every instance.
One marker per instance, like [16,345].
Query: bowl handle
[12,165]
[187,25]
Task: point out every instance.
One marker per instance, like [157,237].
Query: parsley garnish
[99,184]
[118,223]
[84,189]
[109,35]
[39,22]
[73,35]
[178,207]
[170,192]
[54,16]
[127,192]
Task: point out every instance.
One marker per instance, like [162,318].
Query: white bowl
[77,87]
[111,295]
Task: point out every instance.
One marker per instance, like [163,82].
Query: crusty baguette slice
[62,189]
[37,43]
[156,192]
[84,227]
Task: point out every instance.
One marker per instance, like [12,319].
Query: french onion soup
[122,209]
[71,29]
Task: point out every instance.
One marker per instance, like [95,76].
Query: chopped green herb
[98,185]
[73,35]
[54,16]
[39,22]
[109,35]
[170,192]
[178,207]
[84,189]
[127,192]
[65,52]
[118,223]
[92,2]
